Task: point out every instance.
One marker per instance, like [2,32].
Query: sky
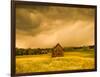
[45,26]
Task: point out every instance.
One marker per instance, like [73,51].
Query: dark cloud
[70,14]
[26,20]
[30,17]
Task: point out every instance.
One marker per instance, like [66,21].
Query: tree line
[38,51]
[21,51]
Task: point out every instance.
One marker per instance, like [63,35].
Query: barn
[58,51]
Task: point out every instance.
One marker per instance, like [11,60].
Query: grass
[72,60]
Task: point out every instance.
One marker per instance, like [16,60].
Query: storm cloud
[45,26]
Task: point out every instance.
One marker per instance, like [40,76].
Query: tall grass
[43,63]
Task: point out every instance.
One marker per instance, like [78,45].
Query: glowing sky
[45,26]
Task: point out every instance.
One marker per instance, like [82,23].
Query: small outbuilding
[58,51]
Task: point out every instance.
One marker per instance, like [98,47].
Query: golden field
[76,60]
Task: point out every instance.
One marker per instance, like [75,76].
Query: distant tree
[85,48]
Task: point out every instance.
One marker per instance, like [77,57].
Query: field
[72,60]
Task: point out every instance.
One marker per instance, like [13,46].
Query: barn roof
[58,45]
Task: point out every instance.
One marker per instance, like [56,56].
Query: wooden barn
[58,51]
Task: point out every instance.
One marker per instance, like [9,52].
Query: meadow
[72,60]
